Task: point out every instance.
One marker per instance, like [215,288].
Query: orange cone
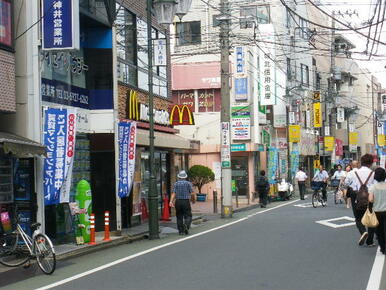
[145,215]
[107,226]
[165,212]
[92,230]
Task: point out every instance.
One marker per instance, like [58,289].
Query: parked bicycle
[317,196]
[17,248]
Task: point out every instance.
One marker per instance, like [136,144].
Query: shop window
[6,40]
[6,180]
[188,33]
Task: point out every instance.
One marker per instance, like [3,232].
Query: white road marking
[376,272]
[329,223]
[97,269]
[304,205]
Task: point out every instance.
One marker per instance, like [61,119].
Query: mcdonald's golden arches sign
[181,115]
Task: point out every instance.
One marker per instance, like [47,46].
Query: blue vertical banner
[59,137]
[273,159]
[60,24]
[294,162]
[127,134]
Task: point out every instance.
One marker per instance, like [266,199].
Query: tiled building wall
[7,82]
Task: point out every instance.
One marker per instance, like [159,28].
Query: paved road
[279,249]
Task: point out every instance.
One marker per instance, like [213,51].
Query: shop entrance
[240,174]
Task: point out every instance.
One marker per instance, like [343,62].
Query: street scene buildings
[104,102]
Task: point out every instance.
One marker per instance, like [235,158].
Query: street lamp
[164,11]
[183,7]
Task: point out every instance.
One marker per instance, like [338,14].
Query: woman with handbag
[377,196]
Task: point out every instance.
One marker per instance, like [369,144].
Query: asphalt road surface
[281,248]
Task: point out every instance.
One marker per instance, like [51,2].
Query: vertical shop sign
[127,134]
[273,160]
[60,24]
[339,147]
[59,137]
[294,162]
[340,115]
[308,119]
[240,60]
[381,140]
[267,67]
[353,142]
[329,143]
[294,133]
[326,130]
[241,123]
[318,115]
[241,89]
[266,138]
[291,117]
[6,23]
[160,58]
[225,145]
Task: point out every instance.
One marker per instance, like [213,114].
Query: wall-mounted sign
[6,23]
[240,60]
[329,143]
[291,117]
[317,95]
[381,140]
[339,147]
[181,115]
[308,119]
[60,24]
[160,56]
[294,133]
[241,89]
[318,115]
[241,128]
[61,93]
[64,61]
[266,138]
[225,145]
[326,130]
[353,141]
[238,147]
[340,115]
[140,112]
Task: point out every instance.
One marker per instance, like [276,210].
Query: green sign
[233,185]
[260,148]
[226,164]
[241,112]
[262,109]
[238,147]
[266,138]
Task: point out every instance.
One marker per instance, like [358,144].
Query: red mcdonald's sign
[181,115]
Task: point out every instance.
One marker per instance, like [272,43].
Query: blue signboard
[59,138]
[273,159]
[241,89]
[60,24]
[238,147]
[240,63]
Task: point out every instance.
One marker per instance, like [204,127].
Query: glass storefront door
[240,174]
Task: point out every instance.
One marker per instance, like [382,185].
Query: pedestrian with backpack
[359,182]
[262,186]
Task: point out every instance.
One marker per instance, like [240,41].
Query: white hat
[182,174]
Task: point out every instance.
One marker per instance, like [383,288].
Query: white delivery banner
[59,137]
[267,67]
[127,134]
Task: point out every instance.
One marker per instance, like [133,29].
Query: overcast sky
[361,11]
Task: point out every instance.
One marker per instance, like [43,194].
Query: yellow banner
[316,163]
[318,115]
[353,138]
[381,140]
[294,133]
[329,143]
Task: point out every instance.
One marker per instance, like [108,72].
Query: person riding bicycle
[321,178]
[339,174]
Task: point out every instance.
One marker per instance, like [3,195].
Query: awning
[20,146]
[163,140]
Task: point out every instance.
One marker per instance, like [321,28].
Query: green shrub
[200,175]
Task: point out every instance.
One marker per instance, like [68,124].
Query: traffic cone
[107,226]
[92,230]
[145,215]
[165,212]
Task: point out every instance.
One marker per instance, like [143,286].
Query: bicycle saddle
[35,226]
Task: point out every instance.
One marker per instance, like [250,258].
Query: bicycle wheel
[13,253]
[321,200]
[315,200]
[45,253]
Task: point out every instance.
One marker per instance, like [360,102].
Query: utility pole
[375,129]
[226,171]
[331,88]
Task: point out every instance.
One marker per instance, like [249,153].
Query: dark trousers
[324,191]
[302,189]
[263,196]
[184,214]
[381,230]
[358,214]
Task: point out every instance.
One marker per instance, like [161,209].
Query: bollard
[165,211]
[92,230]
[107,226]
[214,201]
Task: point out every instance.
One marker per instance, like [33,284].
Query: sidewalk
[207,207]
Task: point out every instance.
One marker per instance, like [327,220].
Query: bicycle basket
[316,185]
[335,182]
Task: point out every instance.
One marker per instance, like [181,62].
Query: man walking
[301,177]
[353,183]
[321,177]
[180,199]
[262,186]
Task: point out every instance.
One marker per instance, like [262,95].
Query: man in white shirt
[352,181]
[321,176]
[301,177]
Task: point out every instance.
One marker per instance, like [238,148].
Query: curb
[253,206]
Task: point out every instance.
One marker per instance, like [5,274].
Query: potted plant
[200,175]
